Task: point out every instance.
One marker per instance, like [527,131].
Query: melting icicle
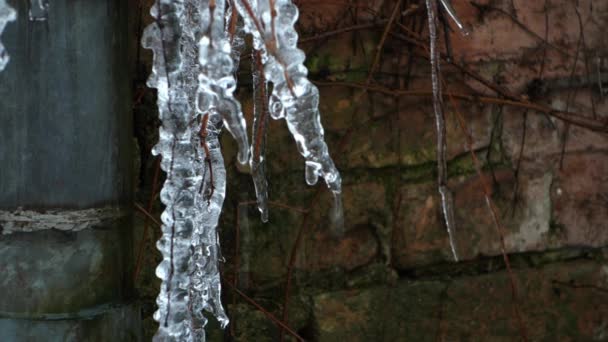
[39,10]
[445,193]
[193,73]
[7,14]
[217,82]
[215,96]
[257,159]
[205,289]
[179,191]
[293,97]
[447,5]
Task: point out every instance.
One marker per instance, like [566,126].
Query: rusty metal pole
[66,175]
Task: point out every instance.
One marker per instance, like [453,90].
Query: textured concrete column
[65,175]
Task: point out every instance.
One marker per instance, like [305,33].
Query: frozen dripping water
[293,96]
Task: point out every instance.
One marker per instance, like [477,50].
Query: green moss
[314,63]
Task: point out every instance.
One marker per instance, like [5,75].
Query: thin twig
[142,243]
[292,261]
[237,243]
[147,214]
[518,165]
[573,118]
[571,95]
[495,217]
[203,137]
[265,312]
[260,131]
[521,25]
[234,18]
[340,31]
[380,46]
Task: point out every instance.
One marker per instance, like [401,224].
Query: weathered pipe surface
[64,107]
[65,154]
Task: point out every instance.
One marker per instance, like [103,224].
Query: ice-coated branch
[217,82]
[164,38]
[7,14]
[214,98]
[447,6]
[257,159]
[193,73]
[294,97]
[447,201]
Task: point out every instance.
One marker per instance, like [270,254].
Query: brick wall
[390,276]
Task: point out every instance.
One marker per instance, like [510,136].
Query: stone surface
[53,272]
[498,37]
[116,324]
[558,302]
[580,199]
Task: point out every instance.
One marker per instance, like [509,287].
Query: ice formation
[196,46]
[447,6]
[294,97]
[257,158]
[39,10]
[447,200]
[7,14]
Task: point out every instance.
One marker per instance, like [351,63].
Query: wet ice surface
[447,201]
[7,14]
[293,97]
[447,6]
[193,73]
[195,59]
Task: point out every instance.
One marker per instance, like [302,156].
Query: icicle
[215,98]
[444,191]
[217,82]
[179,191]
[7,14]
[39,10]
[257,159]
[205,279]
[447,5]
[193,72]
[293,97]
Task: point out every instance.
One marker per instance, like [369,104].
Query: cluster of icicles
[196,45]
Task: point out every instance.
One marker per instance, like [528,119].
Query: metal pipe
[66,175]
